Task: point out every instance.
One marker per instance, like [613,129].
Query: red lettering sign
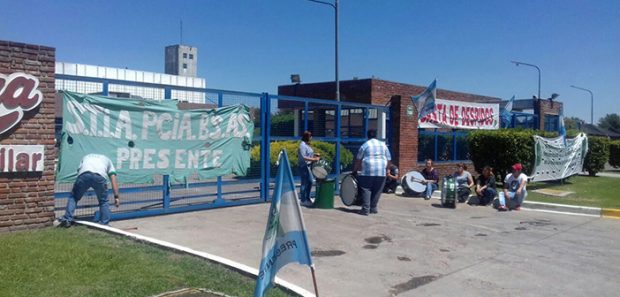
[18,93]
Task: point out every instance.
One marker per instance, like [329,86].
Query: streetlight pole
[531,65]
[591,102]
[335,7]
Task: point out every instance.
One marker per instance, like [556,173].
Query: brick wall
[373,91]
[383,90]
[27,198]
[449,168]
[542,107]
[404,135]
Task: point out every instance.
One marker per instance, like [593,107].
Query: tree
[573,123]
[610,122]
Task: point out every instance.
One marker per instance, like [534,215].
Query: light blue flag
[425,102]
[285,238]
[506,112]
[562,128]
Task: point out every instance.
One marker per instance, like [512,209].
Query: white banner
[554,160]
[462,115]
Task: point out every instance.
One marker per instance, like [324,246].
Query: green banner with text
[144,138]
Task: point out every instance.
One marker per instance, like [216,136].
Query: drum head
[321,169]
[319,172]
[348,190]
[411,181]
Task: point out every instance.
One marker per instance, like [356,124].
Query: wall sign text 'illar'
[19,93]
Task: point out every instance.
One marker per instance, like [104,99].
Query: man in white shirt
[514,189]
[372,161]
[93,172]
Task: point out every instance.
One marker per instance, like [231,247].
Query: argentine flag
[425,102]
[562,128]
[285,238]
[506,112]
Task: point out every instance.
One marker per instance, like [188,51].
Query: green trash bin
[325,194]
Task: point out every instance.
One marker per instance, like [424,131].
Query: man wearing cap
[93,172]
[514,189]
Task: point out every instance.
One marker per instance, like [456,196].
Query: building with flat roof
[411,144]
[181,60]
[126,83]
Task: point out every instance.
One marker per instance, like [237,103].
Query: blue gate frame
[148,200]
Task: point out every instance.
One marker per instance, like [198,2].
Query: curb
[563,208]
[241,268]
[610,213]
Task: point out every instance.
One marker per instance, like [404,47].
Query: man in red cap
[514,189]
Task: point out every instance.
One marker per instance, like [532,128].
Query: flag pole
[316,290]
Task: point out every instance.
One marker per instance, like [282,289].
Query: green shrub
[614,153]
[282,124]
[501,148]
[326,149]
[597,156]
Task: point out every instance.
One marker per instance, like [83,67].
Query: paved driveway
[415,248]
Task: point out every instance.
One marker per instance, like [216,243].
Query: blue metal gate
[277,119]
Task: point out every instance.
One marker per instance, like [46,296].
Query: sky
[252,45]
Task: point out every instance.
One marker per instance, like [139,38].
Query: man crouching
[514,189]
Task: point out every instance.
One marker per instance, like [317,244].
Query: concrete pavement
[414,247]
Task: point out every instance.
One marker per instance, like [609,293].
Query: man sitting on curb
[514,189]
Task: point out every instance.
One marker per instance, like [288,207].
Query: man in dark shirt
[431,179]
[392,179]
[485,186]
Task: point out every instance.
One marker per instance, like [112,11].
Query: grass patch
[589,191]
[82,262]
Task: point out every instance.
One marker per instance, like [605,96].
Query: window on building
[184,55]
[521,120]
[442,146]
[552,122]
[191,56]
[184,65]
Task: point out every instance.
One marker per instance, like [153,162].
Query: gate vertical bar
[266,136]
[165,186]
[165,190]
[220,102]
[338,140]
[263,185]
[305,116]
[105,88]
[435,156]
[267,141]
[454,133]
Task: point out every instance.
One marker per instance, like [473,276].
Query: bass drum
[412,183]
[321,169]
[349,191]
[448,192]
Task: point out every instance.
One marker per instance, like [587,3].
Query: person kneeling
[392,179]
[485,187]
[514,189]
